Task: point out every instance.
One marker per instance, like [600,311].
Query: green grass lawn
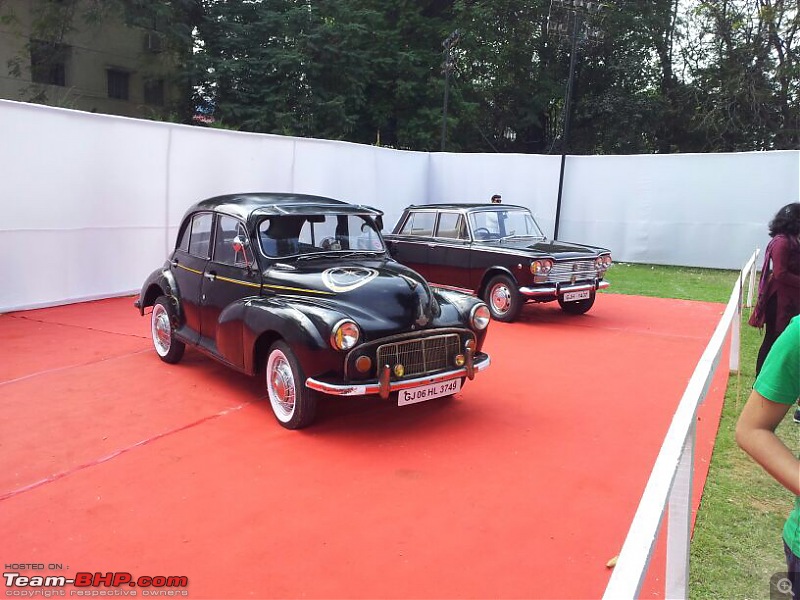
[736,547]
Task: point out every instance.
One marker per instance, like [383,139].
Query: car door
[448,255]
[230,275]
[188,265]
[486,229]
[410,244]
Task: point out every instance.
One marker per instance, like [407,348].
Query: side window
[183,236]
[227,249]
[200,240]
[419,223]
[451,225]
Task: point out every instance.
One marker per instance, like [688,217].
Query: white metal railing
[670,481]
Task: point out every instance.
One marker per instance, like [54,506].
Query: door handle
[210,275]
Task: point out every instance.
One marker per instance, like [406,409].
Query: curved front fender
[279,318]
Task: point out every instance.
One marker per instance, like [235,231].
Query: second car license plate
[428,392]
[570,296]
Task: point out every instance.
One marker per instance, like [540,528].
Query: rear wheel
[577,307]
[162,328]
[503,298]
[293,404]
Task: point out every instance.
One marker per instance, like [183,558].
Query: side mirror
[379,222]
[241,252]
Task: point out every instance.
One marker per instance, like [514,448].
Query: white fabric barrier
[702,210]
[525,179]
[91,203]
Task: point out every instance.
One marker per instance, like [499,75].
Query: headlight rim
[336,337]
[474,319]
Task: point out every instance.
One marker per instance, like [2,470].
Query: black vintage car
[498,253]
[301,289]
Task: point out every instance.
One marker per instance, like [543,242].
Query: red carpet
[522,486]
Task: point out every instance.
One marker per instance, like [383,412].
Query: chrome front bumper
[385,386]
[560,290]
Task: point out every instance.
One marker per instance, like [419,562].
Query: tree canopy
[666,75]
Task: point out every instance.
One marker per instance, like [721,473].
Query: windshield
[498,224]
[294,235]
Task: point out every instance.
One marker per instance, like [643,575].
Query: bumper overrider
[560,290]
[385,386]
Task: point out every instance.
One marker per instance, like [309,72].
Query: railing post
[736,333]
[752,286]
[679,522]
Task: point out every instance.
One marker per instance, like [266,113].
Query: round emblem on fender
[344,279]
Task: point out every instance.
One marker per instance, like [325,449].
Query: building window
[48,63]
[118,84]
[154,92]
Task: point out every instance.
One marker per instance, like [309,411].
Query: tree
[356,70]
[744,61]
[287,66]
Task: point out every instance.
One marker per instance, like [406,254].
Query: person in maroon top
[779,287]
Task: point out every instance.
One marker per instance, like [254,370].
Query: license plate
[428,392]
[570,296]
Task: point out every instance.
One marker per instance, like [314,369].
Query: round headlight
[602,262]
[541,266]
[345,335]
[479,317]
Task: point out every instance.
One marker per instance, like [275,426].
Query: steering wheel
[330,243]
[482,233]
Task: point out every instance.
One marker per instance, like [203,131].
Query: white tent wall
[525,179]
[702,210]
[81,197]
[91,203]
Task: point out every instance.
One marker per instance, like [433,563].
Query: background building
[85,55]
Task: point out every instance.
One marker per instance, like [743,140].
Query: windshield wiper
[351,253]
[530,235]
[313,255]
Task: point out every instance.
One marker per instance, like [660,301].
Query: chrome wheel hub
[161,330]
[500,298]
[281,386]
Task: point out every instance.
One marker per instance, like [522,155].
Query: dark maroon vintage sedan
[300,289]
[497,252]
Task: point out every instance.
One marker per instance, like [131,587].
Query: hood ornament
[345,279]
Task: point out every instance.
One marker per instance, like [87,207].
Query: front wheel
[503,298]
[577,307]
[292,402]
[162,319]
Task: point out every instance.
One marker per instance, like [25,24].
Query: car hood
[379,294]
[555,248]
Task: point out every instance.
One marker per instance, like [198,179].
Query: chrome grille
[569,271]
[421,356]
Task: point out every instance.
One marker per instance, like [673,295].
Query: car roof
[245,205]
[464,206]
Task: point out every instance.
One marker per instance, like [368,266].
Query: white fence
[670,481]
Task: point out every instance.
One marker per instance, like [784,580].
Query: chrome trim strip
[374,387]
[561,290]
